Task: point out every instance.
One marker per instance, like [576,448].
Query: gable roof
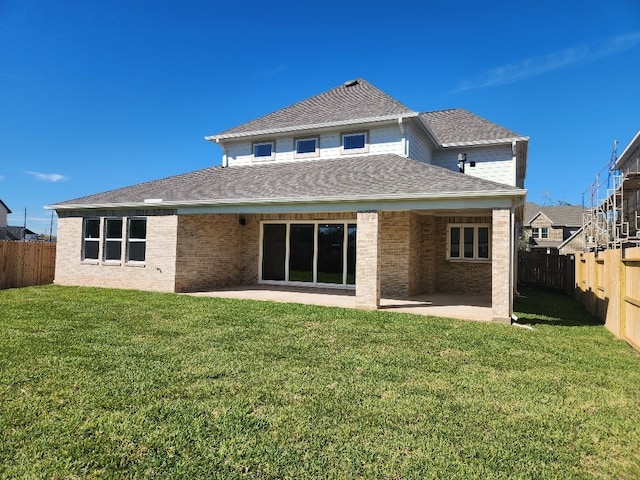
[5,206]
[459,127]
[560,215]
[18,233]
[356,101]
[348,179]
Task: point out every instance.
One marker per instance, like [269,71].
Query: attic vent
[351,83]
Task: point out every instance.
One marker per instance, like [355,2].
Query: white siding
[494,163]
[419,147]
[382,140]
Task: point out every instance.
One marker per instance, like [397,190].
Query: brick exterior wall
[157,273]
[555,233]
[210,251]
[501,273]
[368,260]
[399,250]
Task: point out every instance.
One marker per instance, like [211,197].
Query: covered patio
[465,307]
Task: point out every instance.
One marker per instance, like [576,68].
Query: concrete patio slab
[466,307]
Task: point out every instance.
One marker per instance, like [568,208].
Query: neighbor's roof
[631,150]
[561,215]
[459,127]
[5,206]
[356,101]
[366,178]
[18,233]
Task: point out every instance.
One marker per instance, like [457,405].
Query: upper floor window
[468,242]
[263,150]
[354,142]
[540,232]
[306,147]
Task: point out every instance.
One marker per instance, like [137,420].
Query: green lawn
[98,383]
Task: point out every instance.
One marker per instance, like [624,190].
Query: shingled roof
[559,215]
[355,178]
[352,102]
[458,126]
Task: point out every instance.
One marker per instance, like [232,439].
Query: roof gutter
[272,131]
[497,141]
[159,203]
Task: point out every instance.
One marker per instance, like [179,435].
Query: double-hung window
[113,239]
[468,242]
[105,238]
[91,239]
[137,239]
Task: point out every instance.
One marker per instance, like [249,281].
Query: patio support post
[501,297]
[368,261]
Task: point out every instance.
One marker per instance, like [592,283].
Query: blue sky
[100,95]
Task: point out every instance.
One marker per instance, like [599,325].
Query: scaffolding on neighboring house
[607,223]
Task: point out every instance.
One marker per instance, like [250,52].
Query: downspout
[404,138]
[514,269]
[225,160]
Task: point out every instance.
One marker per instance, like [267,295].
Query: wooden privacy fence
[608,284]
[553,271]
[23,264]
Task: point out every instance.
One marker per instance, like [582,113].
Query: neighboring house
[4,211]
[629,165]
[553,229]
[21,234]
[348,189]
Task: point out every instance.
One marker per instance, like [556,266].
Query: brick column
[501,266]
[368,261]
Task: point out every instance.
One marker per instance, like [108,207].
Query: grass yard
[98,383]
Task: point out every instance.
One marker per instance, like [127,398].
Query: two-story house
[553,229]
[4,212]
[348,189]
[628,164]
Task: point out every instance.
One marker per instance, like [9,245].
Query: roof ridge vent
[351,83]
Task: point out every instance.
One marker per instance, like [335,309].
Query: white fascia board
[539,214]
[341,123]
[496,141]
[627,150]
[316,202]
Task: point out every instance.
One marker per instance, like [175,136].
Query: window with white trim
[306,147]
[136,239]
[264,150]
[469,242]
[112,239]
[91,239]
[354,142]
[104,238]
[540,232]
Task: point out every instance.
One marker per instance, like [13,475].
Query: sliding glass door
[308,253]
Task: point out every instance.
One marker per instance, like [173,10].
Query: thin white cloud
[2,177]
[534,66]
[270,72]
[46,177]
